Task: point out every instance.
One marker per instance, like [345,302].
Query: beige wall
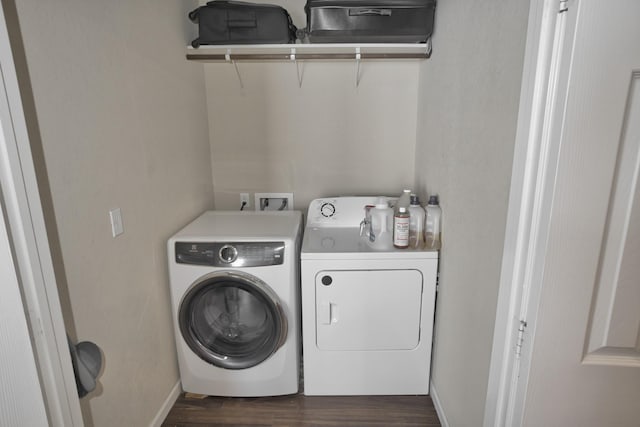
[469,93]
[326,138]
[121,117]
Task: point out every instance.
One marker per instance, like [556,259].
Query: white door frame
[542,99]
[30,247]
[21,400]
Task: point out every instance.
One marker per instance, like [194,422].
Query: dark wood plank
[300,410]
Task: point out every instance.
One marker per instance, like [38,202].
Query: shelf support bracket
[358,60]
[299,67]
[227,57]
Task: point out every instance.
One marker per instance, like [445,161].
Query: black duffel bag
[236,22]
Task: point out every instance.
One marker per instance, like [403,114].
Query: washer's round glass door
[232,320]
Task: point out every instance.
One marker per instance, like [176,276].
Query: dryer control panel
[344,211]
[230,254]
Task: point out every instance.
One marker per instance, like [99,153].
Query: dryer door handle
[328,313]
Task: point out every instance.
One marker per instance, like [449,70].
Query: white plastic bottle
[381,233]
[432,224]
[416,223]
[403,200]
[401,228]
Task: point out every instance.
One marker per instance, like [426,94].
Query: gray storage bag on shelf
[370,21]
[233,22]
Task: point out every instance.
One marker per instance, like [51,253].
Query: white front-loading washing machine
[367,316]
[234,280]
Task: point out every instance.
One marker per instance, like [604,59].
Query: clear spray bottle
[432,224]
[416,223]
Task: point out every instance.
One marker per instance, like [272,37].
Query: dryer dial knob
[327,210]
[228,254]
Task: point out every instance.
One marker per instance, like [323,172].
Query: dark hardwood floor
[300,410]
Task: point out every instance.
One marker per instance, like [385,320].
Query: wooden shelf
[309,51]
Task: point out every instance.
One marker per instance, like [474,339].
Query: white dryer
[367,316]
[234,279]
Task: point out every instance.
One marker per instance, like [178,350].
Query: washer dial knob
[328,210]
[228,254]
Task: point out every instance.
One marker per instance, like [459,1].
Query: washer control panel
[230,254]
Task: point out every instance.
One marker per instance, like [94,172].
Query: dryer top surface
[346,243]
[333,232]
[247,226]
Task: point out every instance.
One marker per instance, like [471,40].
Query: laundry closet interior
[119,117]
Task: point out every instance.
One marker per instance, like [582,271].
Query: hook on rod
[299,67]
[227,57]
[358,60]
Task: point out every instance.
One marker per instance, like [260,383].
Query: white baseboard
[167,405]
[436,404]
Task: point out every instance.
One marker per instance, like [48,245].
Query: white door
[585,359]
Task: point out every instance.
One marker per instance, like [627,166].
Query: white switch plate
[117,228]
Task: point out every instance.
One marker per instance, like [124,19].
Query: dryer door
[232,320]
[368,310]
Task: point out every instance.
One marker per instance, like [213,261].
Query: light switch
[117,228]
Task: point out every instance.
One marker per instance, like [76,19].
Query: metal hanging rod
[309,52]
[304,52]
[302,56]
